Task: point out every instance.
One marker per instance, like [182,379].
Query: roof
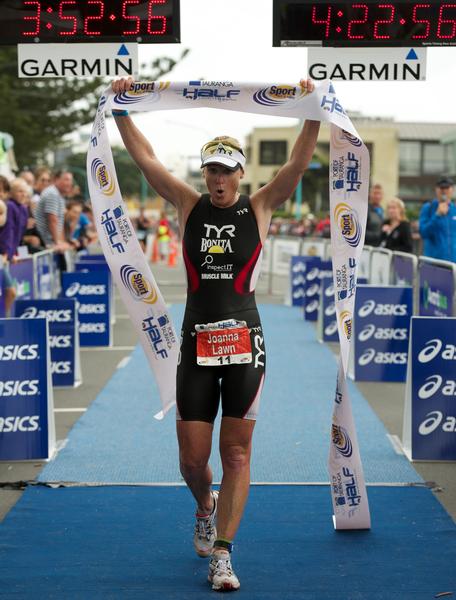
[425,131]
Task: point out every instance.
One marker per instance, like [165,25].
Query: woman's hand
[122,85]
[307,84]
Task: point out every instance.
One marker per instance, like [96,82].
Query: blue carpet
[90,543]
[117,440]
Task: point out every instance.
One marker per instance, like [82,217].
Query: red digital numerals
[68,18]
[383,21]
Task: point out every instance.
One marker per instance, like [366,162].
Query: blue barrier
[2,296]
[27,430]
[327,319]
[381,332]
[436,281]
[298,279]
[430,416]
[63,336]
[92,291]
[317,270]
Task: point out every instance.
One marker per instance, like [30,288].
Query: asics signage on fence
[382,330]
[298,279]
[329,332]
[92,292]
[62,320]
[25,394]
[433,388]
[317,270]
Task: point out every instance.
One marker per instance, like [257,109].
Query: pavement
[98,365]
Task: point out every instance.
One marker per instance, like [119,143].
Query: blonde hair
[400,205]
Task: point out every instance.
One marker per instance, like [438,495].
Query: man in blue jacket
[438,223]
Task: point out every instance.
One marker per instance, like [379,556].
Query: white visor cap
[222,154]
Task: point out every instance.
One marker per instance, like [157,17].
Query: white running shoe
[221,573]
[205,531]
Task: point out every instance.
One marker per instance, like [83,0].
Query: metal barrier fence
[277,253]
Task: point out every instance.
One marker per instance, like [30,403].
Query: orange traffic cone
[172,256]
[155,251]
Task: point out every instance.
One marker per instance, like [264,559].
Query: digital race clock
[397,23]
[53,21]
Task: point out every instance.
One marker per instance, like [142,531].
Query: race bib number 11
[223,343]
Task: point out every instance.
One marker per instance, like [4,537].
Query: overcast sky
[232,40]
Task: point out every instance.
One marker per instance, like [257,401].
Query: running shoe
[205,531]
[221,573]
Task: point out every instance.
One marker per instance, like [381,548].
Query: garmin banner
[27,429]
[430,414]
[63,338]
[316,271]
[349,181]
[436,290]
[327,321]
[381,332]
[92,292]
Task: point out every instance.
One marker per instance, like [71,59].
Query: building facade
[406,158]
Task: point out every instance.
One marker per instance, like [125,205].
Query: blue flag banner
[44,272]
[22,275]
[429,431]
[404,269]
[92,292]
[27,429]
[63,336]
[381,333]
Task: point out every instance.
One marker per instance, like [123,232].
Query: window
[410,158]
[273,152]
[434,159]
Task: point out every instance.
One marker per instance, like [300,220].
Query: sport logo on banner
[348,223]
[137,284]
[349,177]
[102,178]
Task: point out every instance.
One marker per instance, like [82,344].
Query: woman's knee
[192,462]
[235,456]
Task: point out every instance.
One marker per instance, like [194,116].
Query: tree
[38,113]
[128,173]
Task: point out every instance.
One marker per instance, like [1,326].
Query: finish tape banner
[349,180]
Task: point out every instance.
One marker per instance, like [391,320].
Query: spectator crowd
[41,210]
[432,235]
[44,210]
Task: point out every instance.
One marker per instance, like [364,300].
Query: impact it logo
[341,440]
[102,177]
[346,321]
[139,286]
[278,95]
[348,223]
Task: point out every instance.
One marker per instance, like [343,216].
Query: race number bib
[223,343]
